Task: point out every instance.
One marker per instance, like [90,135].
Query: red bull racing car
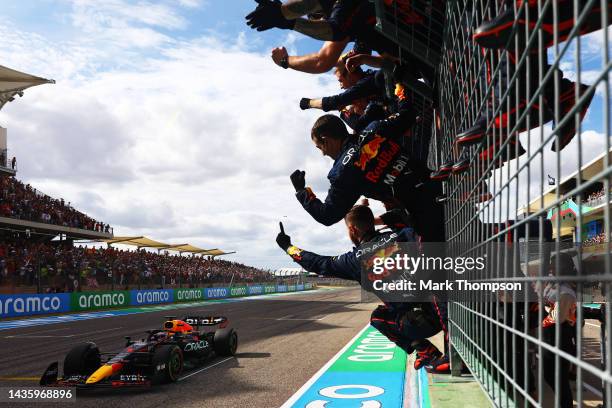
[158,358]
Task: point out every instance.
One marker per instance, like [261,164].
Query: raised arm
[345,266]
[270,14]
[336,205]
[316,63]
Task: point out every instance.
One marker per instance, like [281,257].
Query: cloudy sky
[168,119]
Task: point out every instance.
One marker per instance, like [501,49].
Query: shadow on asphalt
[207,383]
[253,355]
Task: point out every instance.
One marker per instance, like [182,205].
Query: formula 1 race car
[158,358]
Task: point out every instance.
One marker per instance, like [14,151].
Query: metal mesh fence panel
[522,109]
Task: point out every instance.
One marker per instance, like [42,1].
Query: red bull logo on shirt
[385,158]
[369,151]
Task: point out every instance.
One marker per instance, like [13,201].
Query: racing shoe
[479,196]
[440,365]
[463,163]
[509,152]
[478,132]
[507,119]
[567,101]
[496,33]
[444,171]
[426,355]
[474,134]
[504,120]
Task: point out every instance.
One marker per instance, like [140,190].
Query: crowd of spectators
[67,268]
[22,201]
[596,198]
[596,240]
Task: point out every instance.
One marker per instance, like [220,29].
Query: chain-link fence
[522,144]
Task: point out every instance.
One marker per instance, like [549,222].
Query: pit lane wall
[17,305]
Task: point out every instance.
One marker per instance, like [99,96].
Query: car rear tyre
[82,359]
[225,342]
[167,364]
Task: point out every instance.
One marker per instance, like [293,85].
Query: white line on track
[205,368]
[47,331]
[592,324]
[28,335]
[293,399]
[291,317]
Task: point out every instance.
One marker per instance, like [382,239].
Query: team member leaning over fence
[374,165]
[343,21]
[497,33]
[408,324]
[361,101]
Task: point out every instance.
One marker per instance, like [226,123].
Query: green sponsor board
[99,300]
[188,295]
[291,288]
[308,286]
[239,291]
[269,288]
[371,352]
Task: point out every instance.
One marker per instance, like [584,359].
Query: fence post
[38,282]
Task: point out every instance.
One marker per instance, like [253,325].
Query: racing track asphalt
[283,341]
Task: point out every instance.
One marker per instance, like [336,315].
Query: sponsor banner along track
[37,321]
[31,304]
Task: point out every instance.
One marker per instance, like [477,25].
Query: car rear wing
[222,321]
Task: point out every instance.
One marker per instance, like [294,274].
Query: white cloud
[290,42]
[121,24]
[191,3]
[92,15]
[194,143]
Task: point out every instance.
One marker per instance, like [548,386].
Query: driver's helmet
[160,335]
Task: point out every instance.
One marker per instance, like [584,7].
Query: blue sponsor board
[39,321]
[217,293]
[151,297]
[26,305]
[299,287]
[39,304]
[256,290]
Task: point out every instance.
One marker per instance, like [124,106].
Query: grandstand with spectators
[590,203]
[46,243]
